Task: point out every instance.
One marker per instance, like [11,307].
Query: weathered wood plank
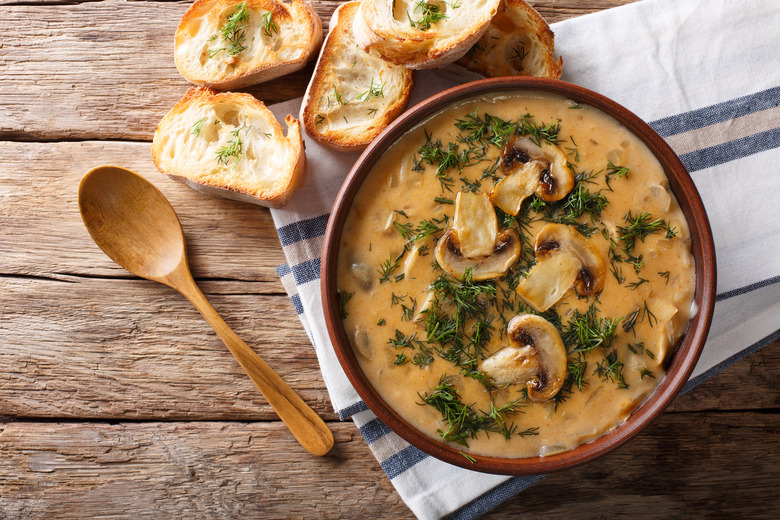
[43,235]
[108,67]
[133,349]
[256,470]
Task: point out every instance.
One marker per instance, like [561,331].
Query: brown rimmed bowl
[684,357]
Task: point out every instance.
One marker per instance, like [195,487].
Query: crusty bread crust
[271,51]
[339,109]
[265,169]
[518,42]
[384,26]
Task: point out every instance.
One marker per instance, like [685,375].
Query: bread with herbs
[420,34]
[353,95]
[517,42]
[229,144]
[226,44]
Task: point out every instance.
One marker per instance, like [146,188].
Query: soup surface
[433,338]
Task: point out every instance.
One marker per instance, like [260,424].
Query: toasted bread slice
[419,34]
[518,42]
[353,95]
[229,144]
[227,44]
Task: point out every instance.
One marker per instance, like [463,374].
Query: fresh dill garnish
[585,332]
[344,298]
[539,132]
[408,311]
[611,369]
[613,170]
[402,341]
[519,52]
[372,111]
[470,186]
[645,372]
[319,119]
[387,268]
[443,200]
[196,128]
[464,422]
[339,98]
[575,107]
[637,316]
[485,129]
[395,299]
[670,231]
[404,229]
[633,285]
[234,148]
[381,322]
[401,359]
[577,372]
[617,272]
[665,275]
[423,357]
[639,226]
[269,27]
[233,33]
[376,91]
[468,457]
[429,15]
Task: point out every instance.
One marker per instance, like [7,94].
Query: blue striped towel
[706,74]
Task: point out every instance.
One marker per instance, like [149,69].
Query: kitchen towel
[706,75]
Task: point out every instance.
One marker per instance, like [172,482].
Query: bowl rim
[685,356]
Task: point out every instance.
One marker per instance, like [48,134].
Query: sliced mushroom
[564,258]
[512,190]
[535,358]
[555,179]
[475,242]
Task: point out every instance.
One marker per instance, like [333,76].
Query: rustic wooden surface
[118,401]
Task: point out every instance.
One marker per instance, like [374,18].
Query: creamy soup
[514,273]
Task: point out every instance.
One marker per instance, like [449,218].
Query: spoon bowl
[135,225]
[132,222]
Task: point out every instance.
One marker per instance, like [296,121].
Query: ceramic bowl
[684,357]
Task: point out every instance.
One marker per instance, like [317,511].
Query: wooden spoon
[135,225]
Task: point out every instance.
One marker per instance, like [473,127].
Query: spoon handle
[310,430]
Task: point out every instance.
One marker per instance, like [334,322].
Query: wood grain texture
[43,234]
[83,344]
[255,470]
[108,66]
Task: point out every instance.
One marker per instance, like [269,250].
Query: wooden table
[118,401]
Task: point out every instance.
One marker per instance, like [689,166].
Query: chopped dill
[269,27]
[373,90]
[198,126]
[233,33]
[344,298]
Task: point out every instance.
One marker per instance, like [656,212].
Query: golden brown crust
[300,32]
[377,27]
[184,156]
[518,42]
[317,115]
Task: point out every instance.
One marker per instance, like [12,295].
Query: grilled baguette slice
[226,44]
[229,144]
[518,42]
[353,95]
[422,35]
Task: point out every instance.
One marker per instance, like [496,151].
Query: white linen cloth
[706,75]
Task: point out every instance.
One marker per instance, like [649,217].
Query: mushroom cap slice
[535,357]
[549,280]
[560,251]
[512,189]
[556,179]
[475,223]
[505,253]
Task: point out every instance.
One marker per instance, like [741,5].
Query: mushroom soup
[514,273]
